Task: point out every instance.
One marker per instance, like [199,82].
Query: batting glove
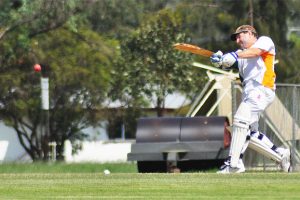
[229,60]
[216,59]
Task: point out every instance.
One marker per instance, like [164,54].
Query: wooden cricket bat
[193,49]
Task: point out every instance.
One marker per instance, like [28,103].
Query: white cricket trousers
[258,98]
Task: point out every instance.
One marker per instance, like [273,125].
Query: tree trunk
[160,107]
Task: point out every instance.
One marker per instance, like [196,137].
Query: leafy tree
[86,57]
[68,58]
[118,18]
[114,17]
[33,17]
[290,62]
[152,68]
[31,36]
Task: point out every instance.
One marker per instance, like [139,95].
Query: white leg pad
[237,143]
[240,130]
[262,148]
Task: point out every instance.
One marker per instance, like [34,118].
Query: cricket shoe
[285,163]
[227,169]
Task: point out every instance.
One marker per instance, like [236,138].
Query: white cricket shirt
[259,69]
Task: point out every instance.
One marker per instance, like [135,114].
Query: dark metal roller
[182,141]
[158,129]
[170,129]
[202,128]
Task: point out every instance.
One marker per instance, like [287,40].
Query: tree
[152,68]
[290,63]
[34,17]
[118,18]
[67,56]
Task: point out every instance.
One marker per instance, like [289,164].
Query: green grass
[61,167]
[58,183]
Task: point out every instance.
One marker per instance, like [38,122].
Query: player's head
[244,36]
[243,29]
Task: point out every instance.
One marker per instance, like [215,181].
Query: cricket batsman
[255,61]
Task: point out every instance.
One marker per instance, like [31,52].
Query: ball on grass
[106,172]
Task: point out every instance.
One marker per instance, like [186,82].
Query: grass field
[87,181]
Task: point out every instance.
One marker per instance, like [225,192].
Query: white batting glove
[229,60]
[216,59]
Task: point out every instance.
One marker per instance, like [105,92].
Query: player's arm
[250,53]
[229,60]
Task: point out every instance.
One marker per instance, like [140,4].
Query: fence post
[295,111]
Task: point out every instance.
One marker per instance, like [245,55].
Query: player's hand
[216,59]
[229,60]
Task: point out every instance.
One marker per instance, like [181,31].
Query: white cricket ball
[106,172]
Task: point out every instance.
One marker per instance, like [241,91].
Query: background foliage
[99,52]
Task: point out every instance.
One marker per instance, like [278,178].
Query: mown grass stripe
[149,186]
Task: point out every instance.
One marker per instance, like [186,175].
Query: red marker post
[45,107]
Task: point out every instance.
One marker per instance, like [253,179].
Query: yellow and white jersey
[259,69]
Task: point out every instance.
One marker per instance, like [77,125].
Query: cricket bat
[193,49]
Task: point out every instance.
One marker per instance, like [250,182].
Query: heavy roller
[170,144]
